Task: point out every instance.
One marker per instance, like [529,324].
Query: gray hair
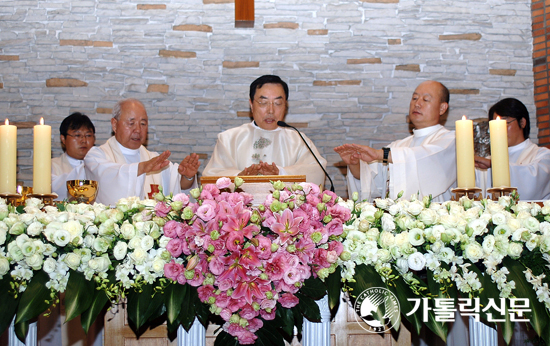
[117,109]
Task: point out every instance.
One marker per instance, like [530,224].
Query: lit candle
[499,153]
[465,167]
[42,159]
[8,158]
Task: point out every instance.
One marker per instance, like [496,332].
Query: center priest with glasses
[262,147]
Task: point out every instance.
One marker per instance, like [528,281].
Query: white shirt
[242,146]
[529,171]
[115,169]
[65,168]
[424,164]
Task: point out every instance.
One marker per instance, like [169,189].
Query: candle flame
[463,117]
[7,122]
[498,117]
[19,189]
[41,121]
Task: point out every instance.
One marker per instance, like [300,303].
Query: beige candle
[42,159]
[499,153]
[8,158]
[465,164]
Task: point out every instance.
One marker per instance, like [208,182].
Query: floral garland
[478,249]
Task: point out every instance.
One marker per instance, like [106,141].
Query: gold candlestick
[497,192]
[12,198]
[47,198]
[473,193]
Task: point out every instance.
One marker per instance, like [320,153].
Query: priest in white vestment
[124,167]
[262,147]
[77,135]
[529,163]
[422,164]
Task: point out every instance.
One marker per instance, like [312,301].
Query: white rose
[381,203]
[545,210]
[135,243]
[473,252]
[416,237]
[402,239]
[531,224]
[416,261]
[448,221]
[544,228]
[50,265]
[35,228]
[3,233]
[4,266]
[386,239]
[373,234]
[493,207]
[72,260]
[99,264]
[522,206]
[163,241]
[127,230]
[15,252]
[415,208]
[101,244]
[158,266]
[383,255]
[35,261]
[521,234]
[139,255]
[120,250]
[387,223]
[535,209]
[499,219]
[513,224]
[4,211]
[27,219]
[533,242]
[62,217]
[515,249]
[478,227]
[446,255]
[74,228]
[61,237]
[488,244]
[150,227]
[502,230]
[402,265]
[91,229]
[428,217]
[395,209]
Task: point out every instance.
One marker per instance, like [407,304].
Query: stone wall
[351,65]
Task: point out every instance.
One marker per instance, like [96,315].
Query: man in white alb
[529,163]
[262,147]
[123,167]
[77,135]
[424,163]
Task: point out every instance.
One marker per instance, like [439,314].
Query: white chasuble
[117,176]
[240,147]
[423,164]
[65,168]
[529,171]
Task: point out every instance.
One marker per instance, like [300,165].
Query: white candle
[499,153]
[465,164]
[42,159]
[8,158]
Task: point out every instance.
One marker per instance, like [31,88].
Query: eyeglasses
[80,137]
[265,104]
[508,122]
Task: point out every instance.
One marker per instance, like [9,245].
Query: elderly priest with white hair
[123,167]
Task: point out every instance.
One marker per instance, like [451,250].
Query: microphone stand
[283,124]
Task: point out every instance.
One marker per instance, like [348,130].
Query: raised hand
[155,164]
[348,154]
[367,154]
[188,168]
[482,162]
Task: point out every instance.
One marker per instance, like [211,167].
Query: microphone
[283,124]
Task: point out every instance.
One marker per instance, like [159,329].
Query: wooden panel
[244,13]
[259,179]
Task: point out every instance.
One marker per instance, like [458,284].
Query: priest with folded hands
[262,147]
[124,167]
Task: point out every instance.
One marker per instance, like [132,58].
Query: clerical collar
[259,128]
[74,162]
[127,151]
[519,147]
[426,131]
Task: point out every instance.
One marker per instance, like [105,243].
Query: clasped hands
[262,168]
[351,154]
[187,168]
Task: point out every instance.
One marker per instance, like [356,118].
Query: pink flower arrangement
[244,260]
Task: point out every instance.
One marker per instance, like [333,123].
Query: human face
[268,106]
[426,108]
[514,129]
[77,143]
[131,129]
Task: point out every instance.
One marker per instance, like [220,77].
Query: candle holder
[497,192]
[473,193]
[47,198]
[12,198]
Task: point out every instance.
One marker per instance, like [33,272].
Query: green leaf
[21,330]
[433,286]
[365,277]
[173,299]
[138,303]
[225,339]
[202,312]
[35,299]
[439,328]
[314,288]
[9,303]
[78,296]
[334,288]
[402,291]
[298,319]
[309,308]
[286,317]
[268,335]
[88,317]
[187,313]
[539,315]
